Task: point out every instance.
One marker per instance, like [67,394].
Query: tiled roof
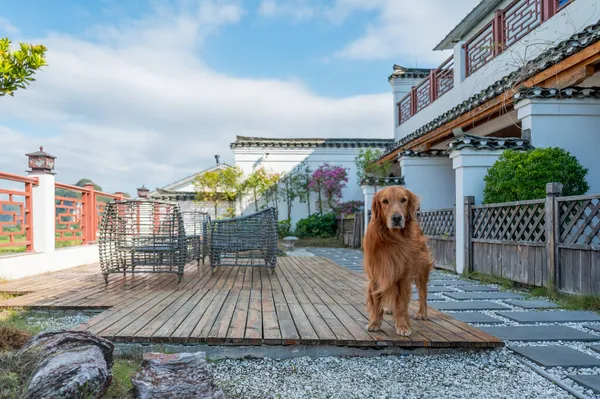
[383,181]
[424,154]
[259,142]
[402,72]
[575,92]
[552,56]
[489,143]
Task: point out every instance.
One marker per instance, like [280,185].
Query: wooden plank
[194,318]
[208,319]
[219,330]
[237,328]
[254,325]
[163,334]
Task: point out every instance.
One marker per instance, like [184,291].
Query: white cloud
[7,28]
[297,10]
[139,107]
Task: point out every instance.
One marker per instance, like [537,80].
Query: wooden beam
[570,71]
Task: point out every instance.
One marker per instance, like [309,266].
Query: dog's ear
[376,207]
[414,203]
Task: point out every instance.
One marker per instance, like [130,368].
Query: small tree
[519,175]
[218,185]
[259,184]
[328,181]
[18,67]
[368,167]
[292,185]
[304,176]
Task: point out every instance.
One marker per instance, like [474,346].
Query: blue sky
[147,92]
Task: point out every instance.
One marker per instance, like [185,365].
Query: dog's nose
[397,219]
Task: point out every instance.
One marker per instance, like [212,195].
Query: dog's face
[395,206]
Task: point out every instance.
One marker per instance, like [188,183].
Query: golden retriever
[395,256]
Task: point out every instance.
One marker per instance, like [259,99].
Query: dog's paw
[374,327]
[421,316]
[403,331]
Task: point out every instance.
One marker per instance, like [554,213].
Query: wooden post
[548,9]
[90,213]
[468,223]
[498,33]
[413,100]
[552,221]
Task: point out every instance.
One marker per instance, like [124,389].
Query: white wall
[431,179]
[282,161]
[570,124]
[568,21]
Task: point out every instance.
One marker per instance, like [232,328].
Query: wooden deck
[307,300]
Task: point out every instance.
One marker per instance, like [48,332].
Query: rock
[68,364]
[181,375]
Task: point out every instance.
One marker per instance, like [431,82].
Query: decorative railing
[382,181]
[79,211]
[16,214]
[579,222]
[507,27]
[438,223]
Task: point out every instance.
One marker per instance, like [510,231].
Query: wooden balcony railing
[506,28]
[16,214]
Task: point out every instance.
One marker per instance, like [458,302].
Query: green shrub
[519,176]
[283,228]
[317,226]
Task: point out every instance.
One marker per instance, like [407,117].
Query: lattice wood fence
[549,242]
[352,230]
[440,227]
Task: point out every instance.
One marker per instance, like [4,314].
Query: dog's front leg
[374,308]
[401,311]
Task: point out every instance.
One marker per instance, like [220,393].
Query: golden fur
[395,256]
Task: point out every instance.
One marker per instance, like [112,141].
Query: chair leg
[106,279]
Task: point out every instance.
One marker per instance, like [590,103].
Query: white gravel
[55,320]
[489,374]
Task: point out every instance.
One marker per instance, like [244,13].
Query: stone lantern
[142,192]
[41,162]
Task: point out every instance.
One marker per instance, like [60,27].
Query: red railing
[16,213]
[444,77]
[423,94]
[508,26]
[78,215]
[405,108]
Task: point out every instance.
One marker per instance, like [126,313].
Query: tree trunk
[255,200]
[320,199]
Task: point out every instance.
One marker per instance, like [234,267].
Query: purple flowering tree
[350,207]
[328,181]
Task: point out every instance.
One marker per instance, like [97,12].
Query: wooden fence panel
[439,226]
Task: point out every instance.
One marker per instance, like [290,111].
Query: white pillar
[571,124]
[44,213]
[460,63]
[369,192]
[470,167]
[431,179]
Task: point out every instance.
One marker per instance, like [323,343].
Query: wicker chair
[142,236]
[197,225]
[244,241]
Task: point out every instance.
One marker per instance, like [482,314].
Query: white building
[521,73]
[283,155]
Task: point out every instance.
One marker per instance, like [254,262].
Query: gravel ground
[54,320]
[489,374]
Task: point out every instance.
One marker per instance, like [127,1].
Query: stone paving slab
[593,327]
[479,288]
[553,316]
[430,297]
[595,348]
[532,303]
[482,295]
[557,356]
[439,276]
[588,381]
[436,288]
[478,305]
[474,317]
[450,282]
[538,333]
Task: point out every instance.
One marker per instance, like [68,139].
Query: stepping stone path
[550,316]
[532,304]
[474,317]
[479,288]
[479,305]
[589,381]
[553,356]
[539,333]
[482,295]
[471,302]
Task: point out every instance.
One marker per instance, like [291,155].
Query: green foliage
[304,175]
[262,183]
[18,67]
[218,185]
[284,227]
[317,226]
[292,187]
[229,213]
[121,386]
[84,181]
[367,166]
[519,176]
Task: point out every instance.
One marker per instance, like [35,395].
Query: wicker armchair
[196,225]
[244,241]
[142,236]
